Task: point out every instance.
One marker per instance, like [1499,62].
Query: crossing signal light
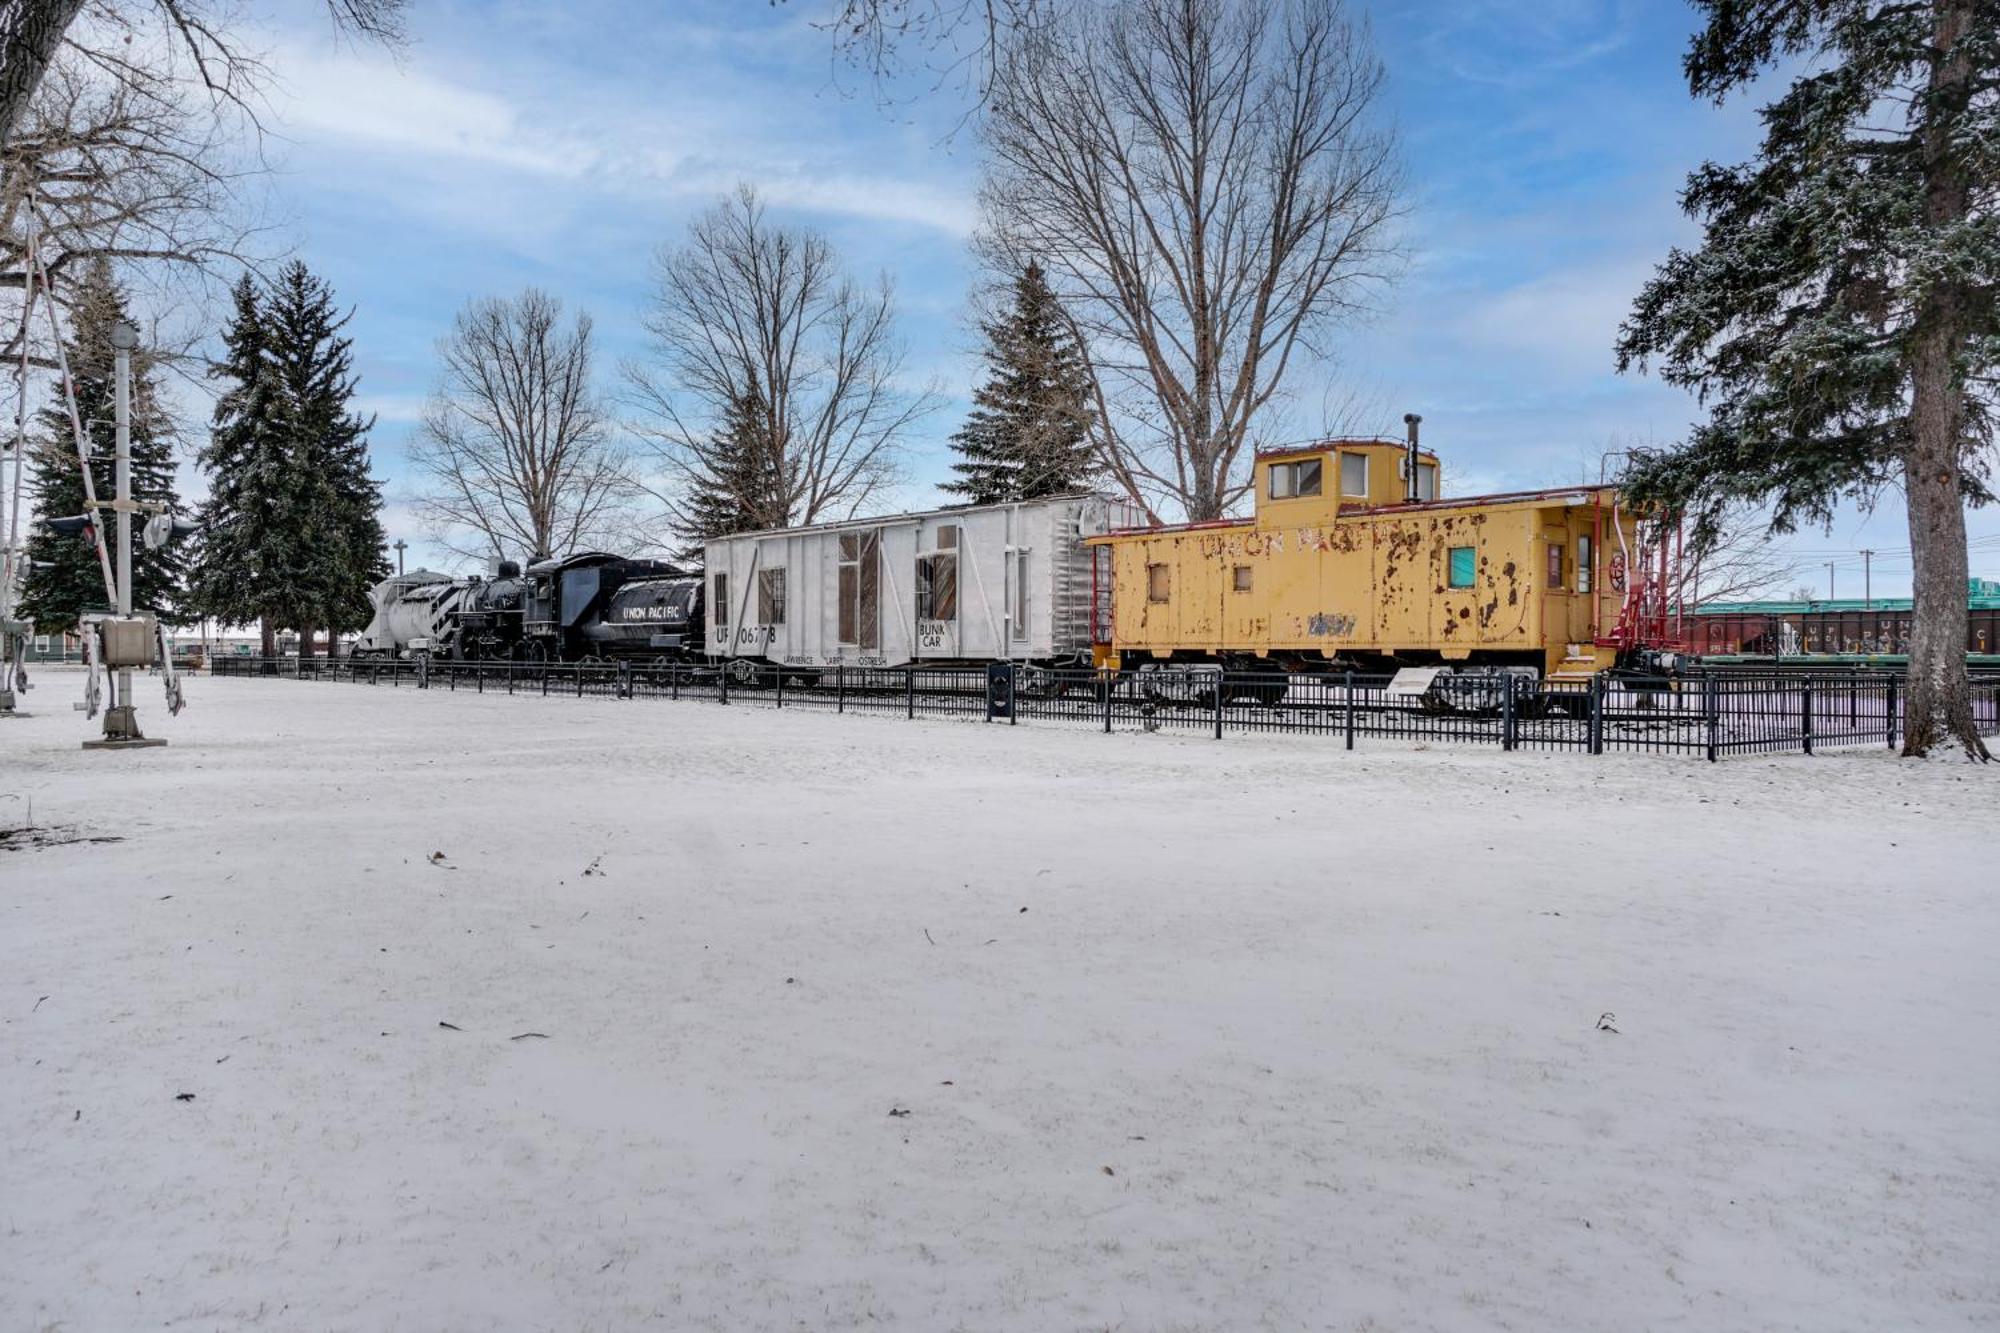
[77,525]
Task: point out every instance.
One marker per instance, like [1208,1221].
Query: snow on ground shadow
[428,1011]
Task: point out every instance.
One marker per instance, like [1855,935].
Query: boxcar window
[1021,594]
[860,588]
[1243,578]
[1159,582]
[1463,565]
[937,587]
[947,537]
[1583,566]
[1556,564]
[1295,479]
[721,601]
[771,596]
[1354,474]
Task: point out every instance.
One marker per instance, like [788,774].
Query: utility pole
[1867,583]
[399,546]
[1829,580]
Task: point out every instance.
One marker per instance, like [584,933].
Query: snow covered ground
[720,1018]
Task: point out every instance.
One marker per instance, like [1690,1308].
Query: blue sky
[560,145]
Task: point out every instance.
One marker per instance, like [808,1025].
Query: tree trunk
[33,31]
[1938,703]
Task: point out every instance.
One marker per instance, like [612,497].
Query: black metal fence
[1710,714]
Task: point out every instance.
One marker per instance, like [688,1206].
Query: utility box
[128,642]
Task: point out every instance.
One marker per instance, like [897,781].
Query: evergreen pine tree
[337,502]
[248,560]
[1029,432]
[1840,318]
[65,579]
[292,532]
[740,487]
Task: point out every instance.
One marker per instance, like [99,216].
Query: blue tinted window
[1463,566]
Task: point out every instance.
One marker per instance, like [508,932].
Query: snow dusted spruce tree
[1029,432]
[738,477]
[338,503]
[1842,316]
[65,579]
[291,531]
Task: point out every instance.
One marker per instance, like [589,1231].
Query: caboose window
[770,596]
[1556,563]
[1583,564]
[1354,475]
[1290,480]
[1427,481]
[1159,582]
[721,599]
[1243,578]
[1462,565]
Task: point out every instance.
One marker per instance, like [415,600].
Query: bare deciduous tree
[748,309]
[1209,191]
[121,170]
[33,33]
[516,453]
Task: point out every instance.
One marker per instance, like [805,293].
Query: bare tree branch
[749,309]
[516,454]
[1205,184]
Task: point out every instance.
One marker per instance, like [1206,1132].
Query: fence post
[1805,711]
[1892,712]
[1221,680]
[780,669]
[1110,683]
[840,688]
[910,688]
[545,680]
[510,679]
[424,672]
[1507,723]
[624,679]
[1350,710]
[480,677]
[722,682]
[1708,705]
[674,679]
[1597,713]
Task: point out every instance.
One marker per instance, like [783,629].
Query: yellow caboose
[1354,557]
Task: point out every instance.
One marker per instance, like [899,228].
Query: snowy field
[400,1011]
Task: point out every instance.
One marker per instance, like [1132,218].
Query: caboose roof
[1497,500]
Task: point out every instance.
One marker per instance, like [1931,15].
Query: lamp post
[399,546]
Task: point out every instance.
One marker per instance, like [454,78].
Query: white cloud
[1566,321]
[366,105]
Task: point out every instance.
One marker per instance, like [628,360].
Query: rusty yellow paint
[1325,574]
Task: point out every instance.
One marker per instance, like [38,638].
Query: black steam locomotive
[586,607]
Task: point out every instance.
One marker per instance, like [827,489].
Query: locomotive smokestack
[1411,420]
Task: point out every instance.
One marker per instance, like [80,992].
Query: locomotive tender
[579,608]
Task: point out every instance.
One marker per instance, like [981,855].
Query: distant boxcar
[969,584]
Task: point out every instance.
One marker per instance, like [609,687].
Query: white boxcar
[979,583]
